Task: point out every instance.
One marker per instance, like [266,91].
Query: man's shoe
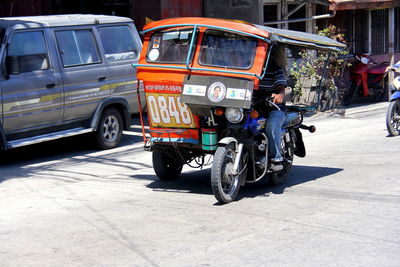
[276,166]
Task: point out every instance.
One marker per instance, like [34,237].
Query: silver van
[66,75]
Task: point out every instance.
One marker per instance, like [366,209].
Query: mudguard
[227,140]
[395,96]
[300,150]
[111,101]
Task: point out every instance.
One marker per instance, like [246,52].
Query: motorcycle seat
[378,69]
[292,118]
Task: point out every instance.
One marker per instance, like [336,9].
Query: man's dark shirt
[274,77]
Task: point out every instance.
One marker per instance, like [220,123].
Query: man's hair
[279,55]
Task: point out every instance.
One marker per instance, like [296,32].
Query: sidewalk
[354,110]
[365,107]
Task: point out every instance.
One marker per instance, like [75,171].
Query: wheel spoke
[395,120]
[228,180]
[110,129]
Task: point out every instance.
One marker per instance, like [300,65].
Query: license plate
[167,111]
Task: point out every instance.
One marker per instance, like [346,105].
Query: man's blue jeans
[275,120]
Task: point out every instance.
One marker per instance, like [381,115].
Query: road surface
[63,203]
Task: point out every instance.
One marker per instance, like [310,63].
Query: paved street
[65,204]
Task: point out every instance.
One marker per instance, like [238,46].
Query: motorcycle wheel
[280,177]
[224,185]
[328,99]
[393,118]
[351,94]
[381,92]
[166,166]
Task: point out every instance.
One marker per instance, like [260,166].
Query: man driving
[275,81]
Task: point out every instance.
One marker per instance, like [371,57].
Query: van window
[77,47]
[118,43]
[30,48]
[169,46]
[225,49]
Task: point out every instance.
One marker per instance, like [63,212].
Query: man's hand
[388,68]
[278,98]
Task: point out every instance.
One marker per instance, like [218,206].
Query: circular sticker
[216,92]
[153,54]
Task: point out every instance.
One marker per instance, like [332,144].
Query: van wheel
[109,129]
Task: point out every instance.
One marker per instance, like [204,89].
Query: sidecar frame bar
[190,54]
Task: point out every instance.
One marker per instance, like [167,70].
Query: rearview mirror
[288,90]
[12,65]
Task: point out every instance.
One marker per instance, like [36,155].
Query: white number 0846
[163,108]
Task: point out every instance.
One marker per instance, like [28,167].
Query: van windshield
[169,46]
[225,49]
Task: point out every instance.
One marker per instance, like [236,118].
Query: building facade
[371,26]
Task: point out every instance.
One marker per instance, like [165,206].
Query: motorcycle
[393,112]
[366,81]
[201,77]
[242,153]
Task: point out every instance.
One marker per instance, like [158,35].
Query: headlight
[364,60]
[234,115]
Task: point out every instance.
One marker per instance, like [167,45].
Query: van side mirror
[12,65]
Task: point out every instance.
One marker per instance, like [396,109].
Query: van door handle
[50,85]
[101,78]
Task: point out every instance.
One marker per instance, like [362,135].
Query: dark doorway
[107,7]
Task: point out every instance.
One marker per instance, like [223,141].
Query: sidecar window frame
[183,60]
[224,33]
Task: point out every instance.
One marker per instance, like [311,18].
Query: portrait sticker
[216,92]
[153,54]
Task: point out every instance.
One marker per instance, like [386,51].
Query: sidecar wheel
[393,118]
[166,166]
[224,185]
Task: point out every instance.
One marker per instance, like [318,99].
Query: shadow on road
[58,149]
[26,161]
[198,182]
[65,147]
[298,175]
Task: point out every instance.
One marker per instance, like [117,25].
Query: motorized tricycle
[201,77]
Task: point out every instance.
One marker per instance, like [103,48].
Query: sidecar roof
[303,39]
[287,37]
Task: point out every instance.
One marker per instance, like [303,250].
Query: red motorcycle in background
[366,80]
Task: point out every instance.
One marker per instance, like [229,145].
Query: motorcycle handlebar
[273,104]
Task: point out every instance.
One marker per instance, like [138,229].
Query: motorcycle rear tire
[280,177]
[393,127]
[351,94]
[379,97]
[166,166]
[225,188]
